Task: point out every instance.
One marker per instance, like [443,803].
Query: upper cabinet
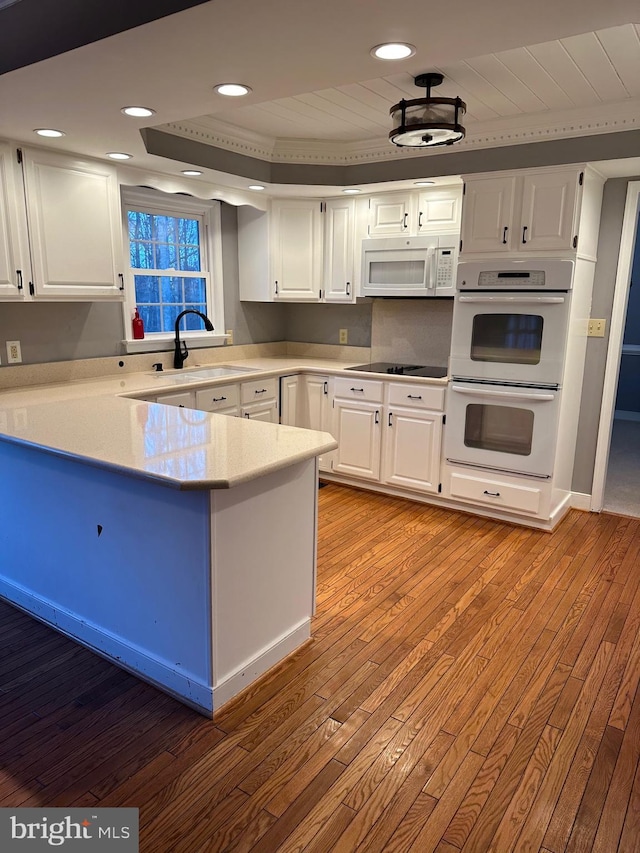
[433,211]
[70,210]
[15,270]
[302,250]
[73,210]
[553,210]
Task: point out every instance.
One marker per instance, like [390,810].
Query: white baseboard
[580,501]
[185,686]
[233,684]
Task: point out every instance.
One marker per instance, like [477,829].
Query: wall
[613,202]
[412,331]
[64,331]
[321,324]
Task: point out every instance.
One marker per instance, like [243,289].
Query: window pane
[194,290]
[192,320]
[189,258]
[507,338]
[150,317]
[171,289]
[139,225]
[169,314]
[189,231]
[142,255]
[147,288]
[166,257]
[164,229]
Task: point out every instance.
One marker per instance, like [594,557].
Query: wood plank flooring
[471,687]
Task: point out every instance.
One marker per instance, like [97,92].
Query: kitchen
[52,329]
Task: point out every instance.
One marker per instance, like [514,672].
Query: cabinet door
[316,412]
[14,249]
[439,210]
[297,249]
[338,250]
[73,210]
[391,214]
[266,411]
[290,400]
[487,215]
[412,449]
[548,211]
[183,399]
[358,435]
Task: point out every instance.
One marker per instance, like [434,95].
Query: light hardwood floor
[470,686]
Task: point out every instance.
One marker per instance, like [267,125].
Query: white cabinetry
[302,250]
[305,401]
[183,399]
[535,211]
[412,437]
[222,399]
[70,210]
[411,212]
[296,249]
[259,400]
[73,209]
[14,248]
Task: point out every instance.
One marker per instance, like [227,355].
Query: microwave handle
[432,261]
[512,395]
[538,300]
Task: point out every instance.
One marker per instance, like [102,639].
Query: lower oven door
[501,428]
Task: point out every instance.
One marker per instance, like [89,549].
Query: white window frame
[156,201]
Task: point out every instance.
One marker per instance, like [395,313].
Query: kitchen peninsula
[179,544]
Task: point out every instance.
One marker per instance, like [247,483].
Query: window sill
[165,343]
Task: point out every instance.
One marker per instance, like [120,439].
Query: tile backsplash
[412,331]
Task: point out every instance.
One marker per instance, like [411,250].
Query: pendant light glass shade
[427,122]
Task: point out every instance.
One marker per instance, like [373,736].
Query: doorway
[616,486]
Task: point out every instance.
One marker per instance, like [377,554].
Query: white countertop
[97,422]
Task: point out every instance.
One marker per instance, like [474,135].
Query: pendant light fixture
[427,122]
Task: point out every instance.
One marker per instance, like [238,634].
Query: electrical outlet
[596,328]
[344,336]
[229,334]
[14,353]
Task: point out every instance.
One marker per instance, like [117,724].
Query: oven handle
[512,395]
[538,300]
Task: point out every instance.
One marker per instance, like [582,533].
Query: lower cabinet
[305,401]
[222,399]
[259,400]
[389,432]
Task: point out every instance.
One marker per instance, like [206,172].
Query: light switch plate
[344,336]
[596,328]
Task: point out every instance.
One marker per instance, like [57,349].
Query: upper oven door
[508,337]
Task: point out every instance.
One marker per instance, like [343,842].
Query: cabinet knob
[406,216]
[491,494]
[218,399]
[377,417]
[524,233]
[505,231]
[390,419]
[361,390]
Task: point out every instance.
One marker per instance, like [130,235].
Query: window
[174,250]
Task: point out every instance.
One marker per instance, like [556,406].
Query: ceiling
[528,72]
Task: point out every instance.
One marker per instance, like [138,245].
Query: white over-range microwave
[410,266]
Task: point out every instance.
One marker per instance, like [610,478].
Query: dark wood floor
[470,686]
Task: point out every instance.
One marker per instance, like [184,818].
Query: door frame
[616,335]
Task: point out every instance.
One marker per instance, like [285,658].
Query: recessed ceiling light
[256,187]
[393,50]
[138,112]
[232,90]
[192,173]
[351,191]
[48,131]
[424,183]
[119,155]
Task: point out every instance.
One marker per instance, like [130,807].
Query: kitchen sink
[199,373]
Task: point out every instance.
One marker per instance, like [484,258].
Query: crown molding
[537,127]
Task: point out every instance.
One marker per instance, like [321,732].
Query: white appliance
[511,322]
[410,266]
[502,428]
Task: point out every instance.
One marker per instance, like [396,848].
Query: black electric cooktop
[403,369]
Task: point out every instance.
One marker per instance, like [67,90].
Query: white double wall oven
[510,328]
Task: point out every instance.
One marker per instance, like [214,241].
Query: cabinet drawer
[416,396]
[496,492]
[258,390]
[358,389]
[220,397]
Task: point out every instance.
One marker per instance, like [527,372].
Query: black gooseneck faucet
[181,352]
